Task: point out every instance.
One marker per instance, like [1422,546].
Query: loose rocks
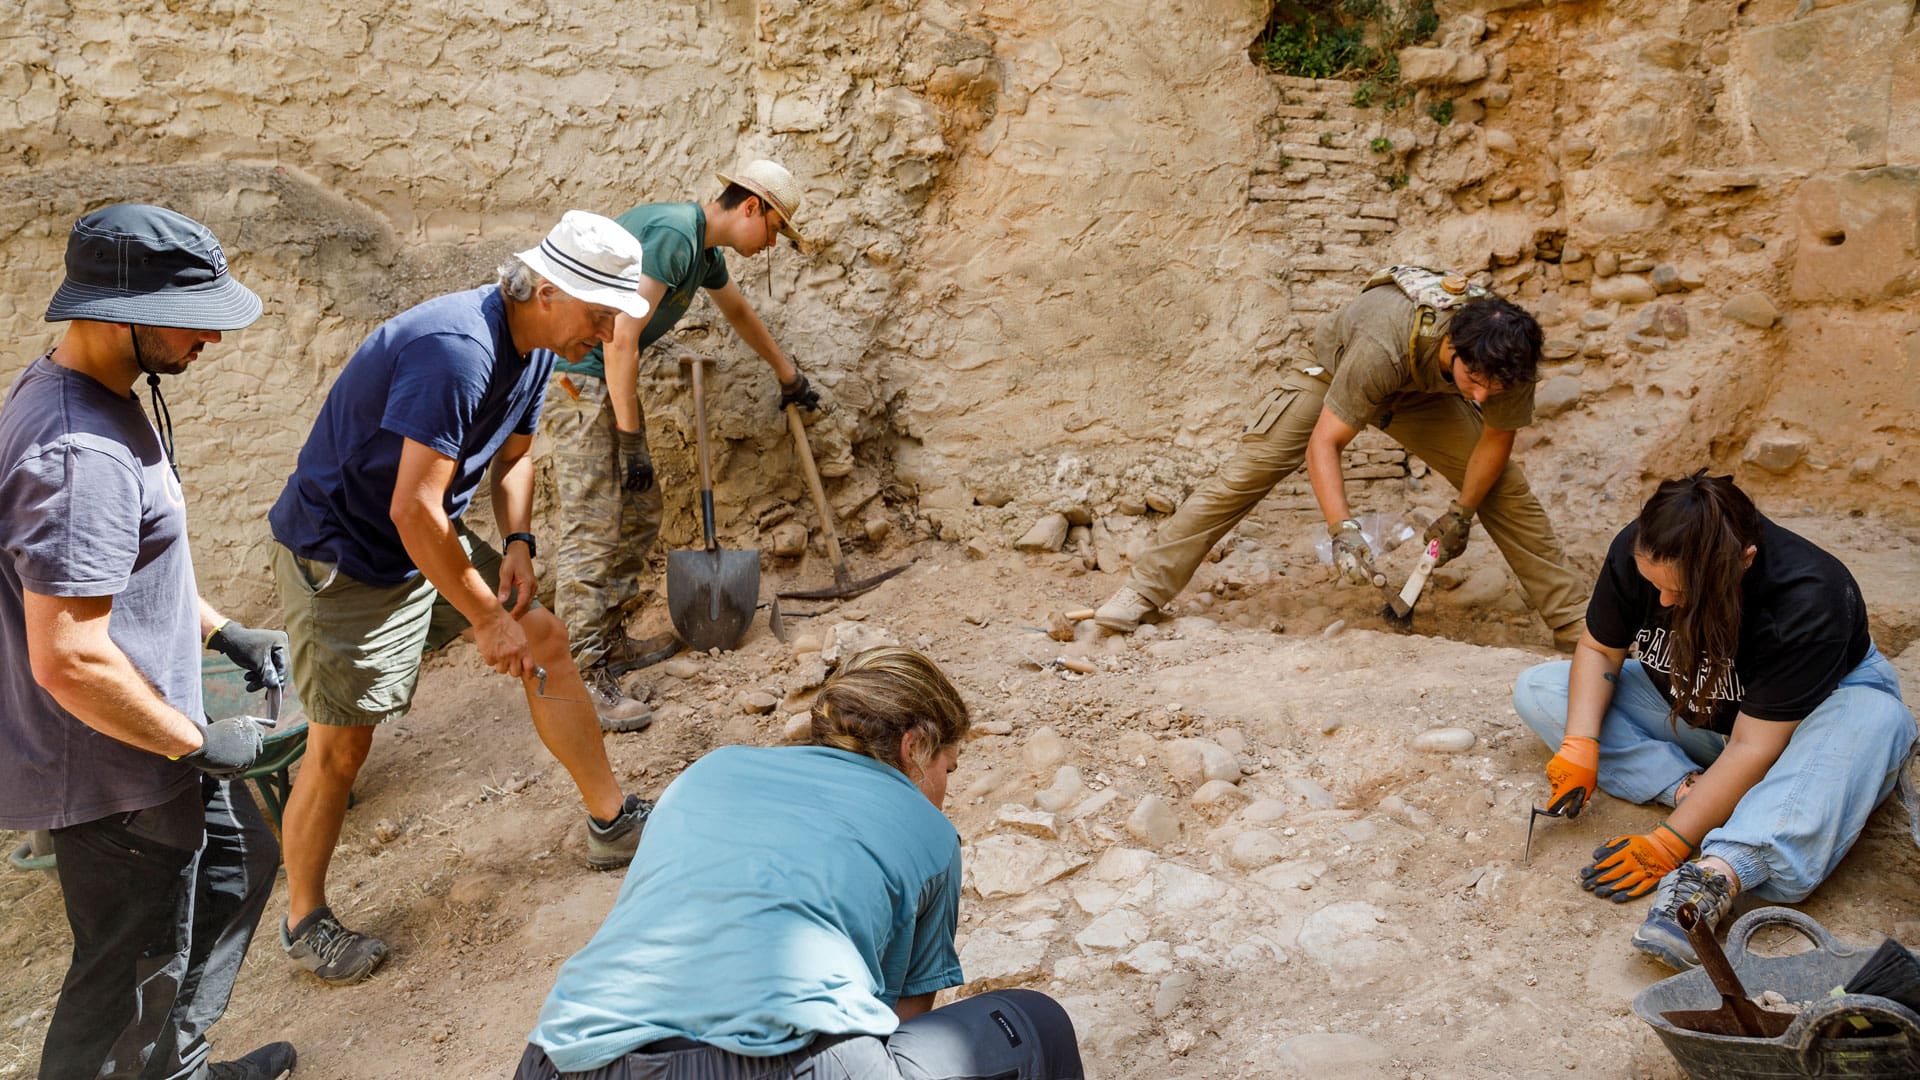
[1444,740]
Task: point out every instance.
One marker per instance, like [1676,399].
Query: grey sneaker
[1661,935]
[616,710]
[612,845]
[1123,611]
[270,1062]
[332,952]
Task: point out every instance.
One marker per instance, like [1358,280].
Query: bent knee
[336,752]
[546,634]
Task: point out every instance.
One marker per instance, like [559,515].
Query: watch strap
[533,547]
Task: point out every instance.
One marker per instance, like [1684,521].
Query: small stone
[1171,994]
[1045,749]
[1002,865]
[386,831]
[1068,786]
[993,959]
[681,667]
[1256,848]
[1262,811]
[877,527]
[848,639]
[1351,934]
[1160,502]
[1047,534]
[789,539]
[1015,818]
[1777,452]
[1645,343]
[991,727]
[1622,289]
[1666,278]
[1560,348]
[1637,265]
[1121,928]
[1093,804]
[1444,740]
[799,728]
[1154,822]
[1196,761]
[1132,505]
[1333,628]
[1605,264]
[1863,467]
[1152,958]
[1217,794]
[1176,888]
[1750,243]
[1671,321]
[758,703]
[1555,395]
[1059,627]
[977,547]
[1595,320]
[1752,308]
[808,642]
[1122,864]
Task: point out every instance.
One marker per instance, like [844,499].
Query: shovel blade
[712,595]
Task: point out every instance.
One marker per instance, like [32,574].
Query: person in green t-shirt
[610,505]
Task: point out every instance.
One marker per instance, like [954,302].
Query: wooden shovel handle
[799,429]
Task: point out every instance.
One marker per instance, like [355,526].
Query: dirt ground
[1358,907]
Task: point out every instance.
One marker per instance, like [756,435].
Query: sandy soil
[1383,925]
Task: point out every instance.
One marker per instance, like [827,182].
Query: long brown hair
[1701,526]
[880,695]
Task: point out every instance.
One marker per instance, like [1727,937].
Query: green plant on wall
[1348,39]
[1381,145]
[1441,111]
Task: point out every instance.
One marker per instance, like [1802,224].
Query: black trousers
[1003,1035]
[162,903]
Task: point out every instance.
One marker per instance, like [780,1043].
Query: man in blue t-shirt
[164,862]
[609,502]
[376,567]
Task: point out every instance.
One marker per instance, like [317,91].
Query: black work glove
[262,654]
[633,458]
[799,392]
[231,747]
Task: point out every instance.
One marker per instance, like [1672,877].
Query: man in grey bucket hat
[165,863]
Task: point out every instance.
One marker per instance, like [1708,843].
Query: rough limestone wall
[1062,252]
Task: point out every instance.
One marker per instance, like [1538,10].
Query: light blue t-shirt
[778,893]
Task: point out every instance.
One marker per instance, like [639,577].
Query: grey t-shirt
[89,507]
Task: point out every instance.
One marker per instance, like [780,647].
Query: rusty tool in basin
[1398,611]
[844,586]
[1737,1014]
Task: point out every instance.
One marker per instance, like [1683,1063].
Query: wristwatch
[533,549]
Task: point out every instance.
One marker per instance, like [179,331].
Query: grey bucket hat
[133,263]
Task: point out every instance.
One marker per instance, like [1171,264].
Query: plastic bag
[1383,532]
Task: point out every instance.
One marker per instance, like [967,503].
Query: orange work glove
[1630,866]
[1574,772]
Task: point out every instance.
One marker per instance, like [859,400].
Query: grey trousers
[1004,1035]
[163,903]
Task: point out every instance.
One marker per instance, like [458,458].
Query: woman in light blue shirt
[791,913]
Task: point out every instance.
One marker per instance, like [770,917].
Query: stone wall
[1065,245]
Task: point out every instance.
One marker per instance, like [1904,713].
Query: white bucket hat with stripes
[591,258]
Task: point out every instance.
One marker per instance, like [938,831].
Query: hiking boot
[1661,935]
[331,951]
[1567,638]
[631,654]
[270,1062]
[611,845]
[617,711]
[1124,610]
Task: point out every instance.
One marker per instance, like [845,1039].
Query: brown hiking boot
[632,654]
[618,712]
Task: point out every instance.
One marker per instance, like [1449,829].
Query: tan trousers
[605,531]
[1440,429]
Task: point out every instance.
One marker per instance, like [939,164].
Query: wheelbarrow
[223,691]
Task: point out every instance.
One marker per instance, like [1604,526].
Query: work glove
[1451,529]
[799,392]
[230,748]
[633,457]
[262,654]
[1351,555]
[1574,772]
[1626,867]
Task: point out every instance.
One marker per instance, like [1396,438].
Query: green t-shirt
[673,252]
[1363,346]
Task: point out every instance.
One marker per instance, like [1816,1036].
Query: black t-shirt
[1803,627]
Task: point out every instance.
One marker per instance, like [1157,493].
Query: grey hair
[517,280]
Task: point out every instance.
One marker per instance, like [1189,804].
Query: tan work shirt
[1363,346]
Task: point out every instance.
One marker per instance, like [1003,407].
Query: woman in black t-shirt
[1756,705]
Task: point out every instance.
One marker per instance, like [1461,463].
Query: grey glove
[262,654]
[1352,557]
[230,748]
[1451,529]
[638,466]
[799,392]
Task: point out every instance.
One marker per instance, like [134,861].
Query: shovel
[844,585]
[712,593]
[1737,1015]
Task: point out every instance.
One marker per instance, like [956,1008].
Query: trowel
[1398,610]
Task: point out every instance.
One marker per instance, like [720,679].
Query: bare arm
[740,315]
[909,1007]
[74,659]
[1752,750]
[1330,436]
[511,478]
[419,514]
[1484,465]
[621,358]
[1590,686]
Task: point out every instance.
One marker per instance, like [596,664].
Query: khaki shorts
[357,647]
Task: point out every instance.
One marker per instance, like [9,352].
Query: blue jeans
[1793,827]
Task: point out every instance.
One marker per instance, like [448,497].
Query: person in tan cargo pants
[1450,381]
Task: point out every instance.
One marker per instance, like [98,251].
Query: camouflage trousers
[605,530]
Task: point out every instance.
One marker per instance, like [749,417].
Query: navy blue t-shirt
[89,507]
[444,374]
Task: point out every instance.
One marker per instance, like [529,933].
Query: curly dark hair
[1497,340]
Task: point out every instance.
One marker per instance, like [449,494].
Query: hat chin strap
[162,417]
